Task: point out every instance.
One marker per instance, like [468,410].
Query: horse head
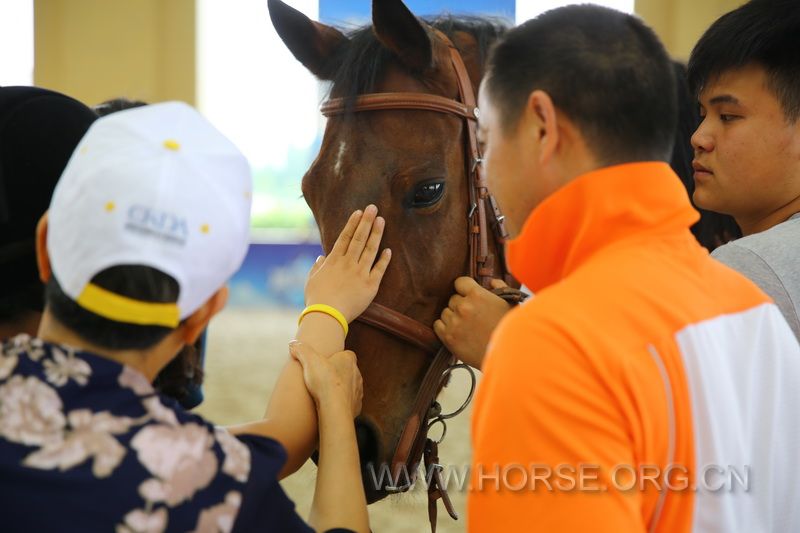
[413,165]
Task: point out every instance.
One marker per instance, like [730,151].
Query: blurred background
[224,57]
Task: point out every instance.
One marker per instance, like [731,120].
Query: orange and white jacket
[645,387]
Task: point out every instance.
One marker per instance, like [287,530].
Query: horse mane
[362,62]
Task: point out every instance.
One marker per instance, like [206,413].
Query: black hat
[39,129]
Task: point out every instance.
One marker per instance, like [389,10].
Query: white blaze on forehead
[337,167]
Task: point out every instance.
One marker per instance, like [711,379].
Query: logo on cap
[162,224]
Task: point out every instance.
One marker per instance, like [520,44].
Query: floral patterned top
[86,444]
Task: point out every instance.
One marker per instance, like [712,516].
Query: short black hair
[604,69]
[117,104]
[760,32]
[139,282]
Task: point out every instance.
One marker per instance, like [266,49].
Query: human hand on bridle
[469,319]
[349,277]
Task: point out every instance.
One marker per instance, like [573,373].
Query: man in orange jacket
[645,387]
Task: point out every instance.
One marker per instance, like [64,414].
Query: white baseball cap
[157,186]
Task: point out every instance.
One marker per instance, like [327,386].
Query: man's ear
[198,321]
[543,119]
[42,258]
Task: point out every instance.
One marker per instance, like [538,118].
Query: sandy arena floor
[246,350]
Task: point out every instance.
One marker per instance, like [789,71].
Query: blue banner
[273,275]
[351,12]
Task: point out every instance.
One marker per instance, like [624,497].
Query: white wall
[16,42]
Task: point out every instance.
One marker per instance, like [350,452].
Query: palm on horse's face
[412,165]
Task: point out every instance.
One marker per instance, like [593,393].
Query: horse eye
[427,194]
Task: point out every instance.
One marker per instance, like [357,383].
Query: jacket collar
[594,211]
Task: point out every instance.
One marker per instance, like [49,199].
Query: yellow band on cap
[328,310]
[123,309]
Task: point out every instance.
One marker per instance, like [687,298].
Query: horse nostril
[369,453]
[368,444]
[369,448]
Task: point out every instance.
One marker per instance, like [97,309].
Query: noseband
[483,267]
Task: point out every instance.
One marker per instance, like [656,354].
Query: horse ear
[401,32]
[312,43]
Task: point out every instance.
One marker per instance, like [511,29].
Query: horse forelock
[363,62]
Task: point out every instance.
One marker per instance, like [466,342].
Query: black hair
[361,64]
[20,301]
[605,70]
[182,374]
[138,282]
[713,229]
[117,104]
[39,130]
[760,32]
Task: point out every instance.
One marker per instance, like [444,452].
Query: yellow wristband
[328,310]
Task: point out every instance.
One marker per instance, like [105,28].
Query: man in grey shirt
[745,71]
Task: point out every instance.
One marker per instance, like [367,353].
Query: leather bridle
[483,267]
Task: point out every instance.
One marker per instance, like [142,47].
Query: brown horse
[413,165]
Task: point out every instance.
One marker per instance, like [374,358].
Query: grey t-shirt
[771,259]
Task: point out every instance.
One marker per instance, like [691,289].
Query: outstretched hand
[349,277]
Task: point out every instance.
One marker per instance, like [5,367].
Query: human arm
[347,279]
[469,319]
[335,385]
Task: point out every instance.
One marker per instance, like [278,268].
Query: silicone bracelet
[328,310]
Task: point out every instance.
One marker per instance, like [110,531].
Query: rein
[414,443]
